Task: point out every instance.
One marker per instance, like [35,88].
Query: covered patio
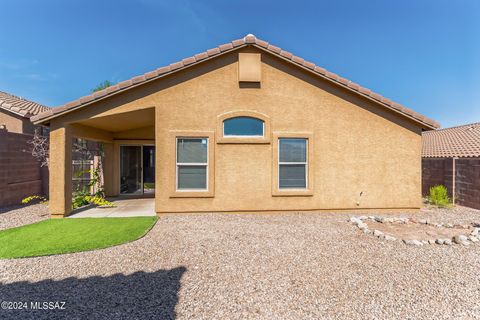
[128,162]
[124,207]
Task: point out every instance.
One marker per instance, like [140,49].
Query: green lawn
[56,236]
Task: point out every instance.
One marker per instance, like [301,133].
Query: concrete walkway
[124,207]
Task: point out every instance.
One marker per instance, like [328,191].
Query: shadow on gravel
[137,296]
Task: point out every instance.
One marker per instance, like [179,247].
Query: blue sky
[424,54]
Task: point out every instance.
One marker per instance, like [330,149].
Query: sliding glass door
[148,169]
[137,169]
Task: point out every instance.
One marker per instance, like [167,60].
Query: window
[292,163]
[243,126]
[192,164]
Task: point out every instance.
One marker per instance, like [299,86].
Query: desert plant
[438,196]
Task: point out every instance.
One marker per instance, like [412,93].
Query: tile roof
[248,40]
[20,106]
[461,141]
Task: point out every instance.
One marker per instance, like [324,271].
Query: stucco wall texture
[15,123]
[358,146]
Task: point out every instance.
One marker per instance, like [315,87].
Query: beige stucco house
[244,127]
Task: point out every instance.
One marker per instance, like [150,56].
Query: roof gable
[249,40]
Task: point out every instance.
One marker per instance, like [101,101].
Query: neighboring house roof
[461,141]
[249,40]
[20,106]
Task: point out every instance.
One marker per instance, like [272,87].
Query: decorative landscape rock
[362,225]
[413,243]
[377,233]
[390,238]
[473,239]
[461,239]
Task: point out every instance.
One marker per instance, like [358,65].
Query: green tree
[102,85]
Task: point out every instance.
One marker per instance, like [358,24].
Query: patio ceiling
[122,121]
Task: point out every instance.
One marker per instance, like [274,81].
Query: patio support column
[108,167]
[60,167]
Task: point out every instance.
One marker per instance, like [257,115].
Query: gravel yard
[289,266]
[16,216]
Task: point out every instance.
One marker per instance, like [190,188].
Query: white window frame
[293,163]
[243,136]
[196,164]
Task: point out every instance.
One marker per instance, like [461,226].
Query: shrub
[99,201]
[79,199]
[83,198]
[38,199]
[438,196]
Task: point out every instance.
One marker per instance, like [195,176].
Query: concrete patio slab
[123,208]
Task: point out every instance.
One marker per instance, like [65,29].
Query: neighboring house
[20,173]
[246,127]
[15,113]
[451,157]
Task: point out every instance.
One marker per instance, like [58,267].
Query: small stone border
[458,239]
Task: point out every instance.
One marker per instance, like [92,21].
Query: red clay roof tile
[320,70]
[151,74]
[286,54]
[462,141]
[343,80]
[201,56]
[261,43]
[21,106]
[331,75]
[238,42]
[309,65]
[297,60]
[188,61]
[274,48]
[213,51]
[125,84]
[163,70]
[176,65]
[225,47]
[99,93]
[138,79]
[250,38]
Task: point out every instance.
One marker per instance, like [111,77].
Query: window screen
[292,163]
[192,163]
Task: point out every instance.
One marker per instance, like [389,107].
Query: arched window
[243,127]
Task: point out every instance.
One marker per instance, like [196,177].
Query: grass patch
[57,236]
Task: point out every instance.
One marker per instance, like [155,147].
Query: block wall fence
[461,176]
[20,173]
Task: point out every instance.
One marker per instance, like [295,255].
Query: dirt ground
[416,231]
